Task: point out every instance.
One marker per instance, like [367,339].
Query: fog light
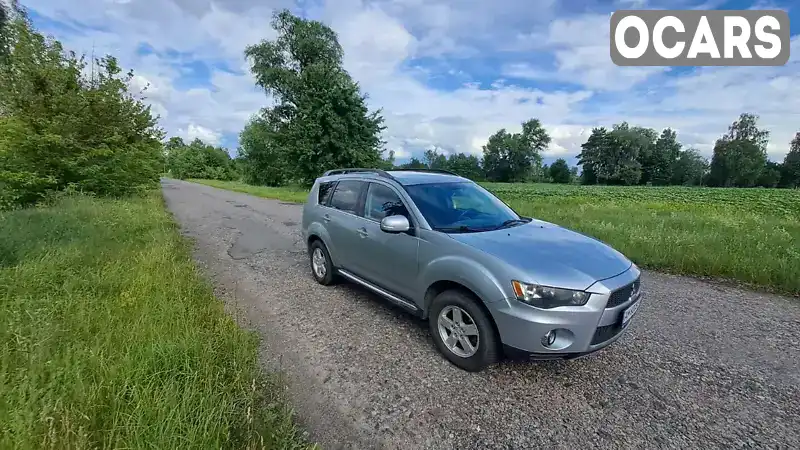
[549,338]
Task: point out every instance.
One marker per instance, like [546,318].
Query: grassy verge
[747,235]
[109,337]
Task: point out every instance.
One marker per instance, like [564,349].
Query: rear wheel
[321,266]
[463,331]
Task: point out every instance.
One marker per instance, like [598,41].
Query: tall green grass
[110,338]
[747,235]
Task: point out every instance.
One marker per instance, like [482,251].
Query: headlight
[548,297]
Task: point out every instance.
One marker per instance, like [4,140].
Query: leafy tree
[388,163]
[740,155]
[689,169]
[770,175]
[573,173]
[5,22]
[542,174]
[414,163]
[61,126]
[539,173]
[591,157]
[468,166]
[263,161]
[320,120]
[629,145]
[791,164]
[510,157]
[658,160]
[434,160]
[588,174]
[172,144]
[560,171]
[239,166]
[9,12]
[611,156]
[198,160]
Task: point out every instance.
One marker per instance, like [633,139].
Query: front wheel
[463,331]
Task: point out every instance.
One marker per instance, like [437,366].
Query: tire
[485,344]
[327,276]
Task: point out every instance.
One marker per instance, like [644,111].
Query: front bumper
[579,330]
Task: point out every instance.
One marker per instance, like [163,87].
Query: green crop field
[748,235]
[110,338]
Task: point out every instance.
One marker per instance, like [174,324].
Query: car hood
[549,254]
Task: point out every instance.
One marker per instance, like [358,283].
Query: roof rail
[425,169]
[380,172]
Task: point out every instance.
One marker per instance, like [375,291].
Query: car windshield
[461,207]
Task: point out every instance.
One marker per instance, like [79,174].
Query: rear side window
[345,196]
[325,191]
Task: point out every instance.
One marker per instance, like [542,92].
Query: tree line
[630,155]
[199,160]
[623,155]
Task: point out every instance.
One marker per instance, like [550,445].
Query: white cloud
[199,132]
[579,47]
[559,67]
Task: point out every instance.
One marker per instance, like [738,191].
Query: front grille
[605,333]
[622,295]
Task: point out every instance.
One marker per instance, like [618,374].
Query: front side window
[382,201]
[461,207]
[345,196]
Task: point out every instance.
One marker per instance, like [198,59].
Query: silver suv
[489,281]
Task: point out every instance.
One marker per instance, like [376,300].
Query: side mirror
[395,224]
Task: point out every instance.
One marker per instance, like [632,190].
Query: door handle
[363,232]
[326,218]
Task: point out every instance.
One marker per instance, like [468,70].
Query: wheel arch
[445,285]
[318,233]
[312,238]
[440,286]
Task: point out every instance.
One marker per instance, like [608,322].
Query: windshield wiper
[510,222]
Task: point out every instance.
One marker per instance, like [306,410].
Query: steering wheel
[462,215]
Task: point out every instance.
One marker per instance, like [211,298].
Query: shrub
[60,125]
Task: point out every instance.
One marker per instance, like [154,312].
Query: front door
[388,260]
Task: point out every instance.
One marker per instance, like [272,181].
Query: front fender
[464,271]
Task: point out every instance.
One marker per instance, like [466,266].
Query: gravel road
[702,366]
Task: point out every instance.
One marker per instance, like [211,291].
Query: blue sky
[447,74]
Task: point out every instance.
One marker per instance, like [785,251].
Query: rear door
[341,218]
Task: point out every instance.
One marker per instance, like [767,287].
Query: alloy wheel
[458,331]
[318,263]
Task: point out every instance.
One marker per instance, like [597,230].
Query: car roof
[404,177]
